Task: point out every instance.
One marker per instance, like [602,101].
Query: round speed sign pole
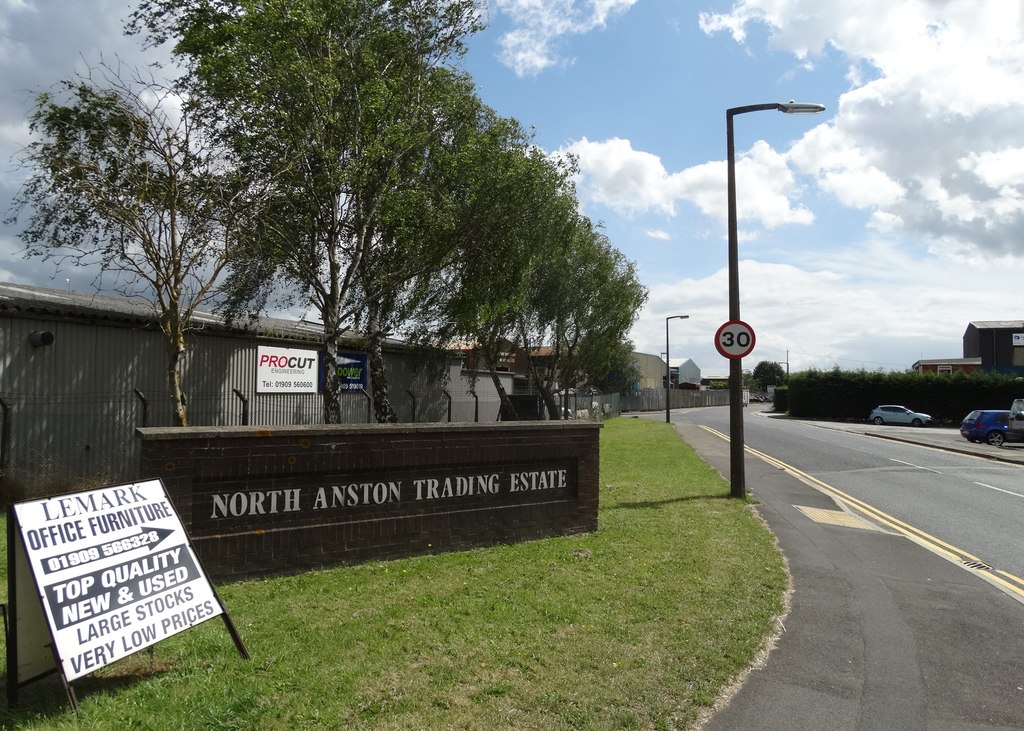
[735,339]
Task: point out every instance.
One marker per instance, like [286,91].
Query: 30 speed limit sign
[735,339]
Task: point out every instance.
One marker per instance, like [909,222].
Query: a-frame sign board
[96,576]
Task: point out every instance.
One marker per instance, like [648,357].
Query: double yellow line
[1014,585]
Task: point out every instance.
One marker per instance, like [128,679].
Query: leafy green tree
[340,104]
[608,316]
[551,294]
[415,231]
[510,203]
[768,373]
[585,298]
[622,370]
[123,177]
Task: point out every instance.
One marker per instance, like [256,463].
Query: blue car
[987,425]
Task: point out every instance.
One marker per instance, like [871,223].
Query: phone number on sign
[93,553]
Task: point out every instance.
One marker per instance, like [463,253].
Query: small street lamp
[668,367]
[737,479]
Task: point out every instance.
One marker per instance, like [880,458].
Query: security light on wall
[40,338]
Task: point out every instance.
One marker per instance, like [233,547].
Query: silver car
[892,414]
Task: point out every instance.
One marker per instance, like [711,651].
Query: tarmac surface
[881,633]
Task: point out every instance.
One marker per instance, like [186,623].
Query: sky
[869,235]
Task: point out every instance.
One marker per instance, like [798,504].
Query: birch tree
[123,177]
[333,100]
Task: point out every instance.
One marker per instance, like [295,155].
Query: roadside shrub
[850,395]
[780,402]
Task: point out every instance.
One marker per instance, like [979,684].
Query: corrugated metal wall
[69,406]
[70,409]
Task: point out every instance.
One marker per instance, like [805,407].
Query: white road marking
[915,466]
[992,487]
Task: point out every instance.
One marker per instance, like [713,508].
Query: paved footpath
[882,634]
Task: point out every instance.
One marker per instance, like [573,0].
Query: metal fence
[653,399]
[54,442]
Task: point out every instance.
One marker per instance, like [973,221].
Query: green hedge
[851,395]
[780,402]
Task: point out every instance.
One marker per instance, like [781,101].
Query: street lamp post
[737,480]
[668,367]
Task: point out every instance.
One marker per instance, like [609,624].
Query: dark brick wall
[258,502]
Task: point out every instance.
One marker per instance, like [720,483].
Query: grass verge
[636,626]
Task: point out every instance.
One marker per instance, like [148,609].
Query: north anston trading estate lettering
[270,502]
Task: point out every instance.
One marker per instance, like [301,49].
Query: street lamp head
[792,107]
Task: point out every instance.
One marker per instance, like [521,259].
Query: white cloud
[996,168]
[854,308]
[883,222]
[846,170]
[630,182]
[931,136]
[767,186]
[41,43]
[533,44]
[659,235]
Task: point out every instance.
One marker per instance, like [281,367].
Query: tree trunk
[174,342]
[332,384]
[178,406]
[545,385]
[507,411]
[549,401]
[382,410]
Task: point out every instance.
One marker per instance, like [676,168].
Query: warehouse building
[79,372]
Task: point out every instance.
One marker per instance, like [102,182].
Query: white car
[892,414]
[1015,425]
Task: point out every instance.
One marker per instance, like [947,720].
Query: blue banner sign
[353,370]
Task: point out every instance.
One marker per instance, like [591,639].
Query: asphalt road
[970,498]
[880,633]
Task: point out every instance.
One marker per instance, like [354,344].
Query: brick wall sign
[263,501]
[98,576]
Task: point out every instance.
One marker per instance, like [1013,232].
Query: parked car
[892,414]
[990,426]
[1016,429]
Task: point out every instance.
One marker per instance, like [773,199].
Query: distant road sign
[735,339]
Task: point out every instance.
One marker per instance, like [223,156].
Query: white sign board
[1018,340]
[114,571]
[286,370]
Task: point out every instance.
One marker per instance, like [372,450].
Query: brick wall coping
[153,433]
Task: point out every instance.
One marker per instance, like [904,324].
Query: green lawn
[636,626]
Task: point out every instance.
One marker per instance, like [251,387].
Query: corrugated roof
[997,324]
[949,361]
[64,303]
[28,298]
